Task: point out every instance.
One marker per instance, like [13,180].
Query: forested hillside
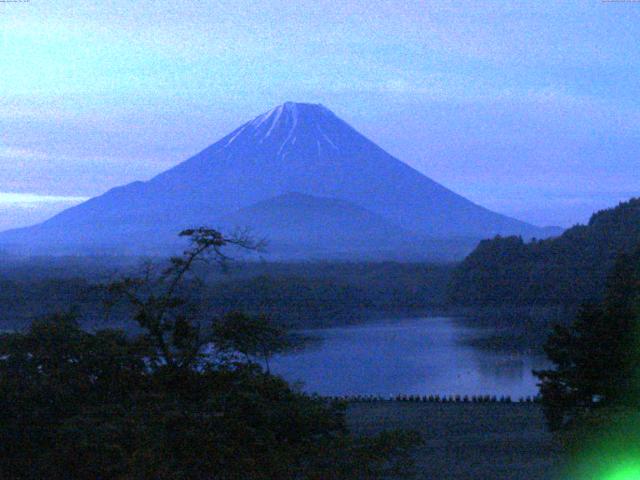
[566,270]
[298,295]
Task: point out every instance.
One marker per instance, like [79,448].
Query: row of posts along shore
[433,399]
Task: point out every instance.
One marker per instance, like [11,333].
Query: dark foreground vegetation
[591,396]
[179,400]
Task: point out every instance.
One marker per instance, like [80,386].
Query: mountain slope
[566,270]
[304,226]
[295,147]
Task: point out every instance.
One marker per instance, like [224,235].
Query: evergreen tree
[597,359]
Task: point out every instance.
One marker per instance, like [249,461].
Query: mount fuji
[297,161]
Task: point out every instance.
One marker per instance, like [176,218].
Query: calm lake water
[407,356]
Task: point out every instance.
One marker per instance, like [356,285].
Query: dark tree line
[567,270]
[301,295]
[186,398]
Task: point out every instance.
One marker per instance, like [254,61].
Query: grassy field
[466,441]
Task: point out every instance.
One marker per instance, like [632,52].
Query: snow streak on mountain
[296,147]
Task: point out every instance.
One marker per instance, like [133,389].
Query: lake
[420,356]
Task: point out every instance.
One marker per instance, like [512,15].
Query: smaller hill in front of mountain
[295,147]
[567,270]
[301,226]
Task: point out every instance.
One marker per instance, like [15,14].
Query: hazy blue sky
[529,108]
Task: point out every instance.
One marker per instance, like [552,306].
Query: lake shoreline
[514,329]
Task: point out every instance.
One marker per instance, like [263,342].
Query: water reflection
[408,356]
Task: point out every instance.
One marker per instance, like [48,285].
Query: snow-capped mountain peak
[294,147]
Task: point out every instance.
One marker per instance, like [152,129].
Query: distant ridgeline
[566,270]
[297,294]
[298,176]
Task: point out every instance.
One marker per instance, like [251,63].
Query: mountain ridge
[294,147]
